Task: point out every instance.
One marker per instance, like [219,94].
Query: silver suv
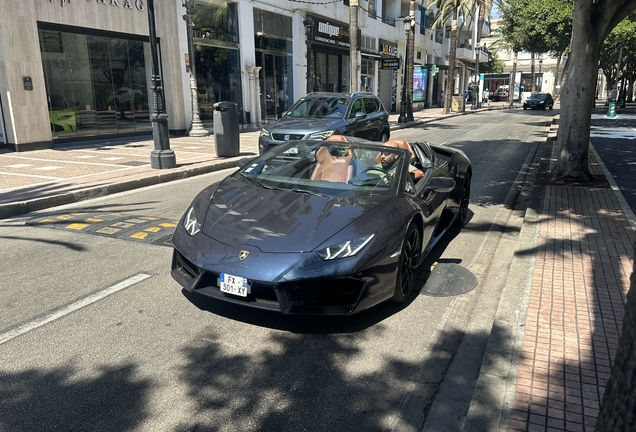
[317,116]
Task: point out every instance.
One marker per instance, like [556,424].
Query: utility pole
[411,61]
[353,49]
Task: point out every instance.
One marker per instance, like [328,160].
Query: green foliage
[537,26]
[493,66]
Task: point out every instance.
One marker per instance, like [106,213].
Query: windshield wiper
[251,179]
[304,191]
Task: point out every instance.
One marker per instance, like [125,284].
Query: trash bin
[226,131]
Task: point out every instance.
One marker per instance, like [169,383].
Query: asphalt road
[95,335]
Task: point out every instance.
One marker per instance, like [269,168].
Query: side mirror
[441,184]
[360,115]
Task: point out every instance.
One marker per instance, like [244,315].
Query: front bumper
[343,295]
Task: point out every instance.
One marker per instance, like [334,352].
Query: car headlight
[345,249]
[320,136]
[190,222]
[542,102]
[65,117]
[264,133]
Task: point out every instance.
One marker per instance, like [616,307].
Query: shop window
[96,85]
[215,21]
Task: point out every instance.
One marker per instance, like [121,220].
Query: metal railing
[388,20]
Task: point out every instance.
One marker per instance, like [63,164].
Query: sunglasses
[388,154]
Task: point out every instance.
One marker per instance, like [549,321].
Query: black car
[321,227]
[539,101]
[317,116]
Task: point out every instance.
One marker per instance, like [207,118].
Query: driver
[387,159]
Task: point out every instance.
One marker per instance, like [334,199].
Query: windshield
[540,96]
[319,107]
[326,168]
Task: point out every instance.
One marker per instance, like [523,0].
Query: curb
[28,206]
[494,391]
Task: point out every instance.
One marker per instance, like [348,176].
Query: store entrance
[331,72]
[275,85]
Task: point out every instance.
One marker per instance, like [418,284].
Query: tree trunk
[481,11]
[533,84]
[511,87]
[450,79]
[556,76]
[618,409]
[591,23]
[353,49]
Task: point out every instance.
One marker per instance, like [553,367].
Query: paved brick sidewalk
[575,309]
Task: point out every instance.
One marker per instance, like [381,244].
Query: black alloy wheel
[407,264]
[385,137]
[462,214]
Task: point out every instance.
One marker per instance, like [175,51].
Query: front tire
[385,137]
[462,214]
[407,264]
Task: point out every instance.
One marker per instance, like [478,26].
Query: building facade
[73,70]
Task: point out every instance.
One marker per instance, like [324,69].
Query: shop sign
[128,4]
[388,49]
[330,33]
[390,63]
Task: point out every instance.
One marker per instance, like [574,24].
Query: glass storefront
[216,55]
[275,59]
[367,75]
[96,85]
[331,72]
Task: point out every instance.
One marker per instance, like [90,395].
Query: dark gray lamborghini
[319,227]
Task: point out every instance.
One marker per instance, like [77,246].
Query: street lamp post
[196,128]
[162,156]
[309,30]
[408,23]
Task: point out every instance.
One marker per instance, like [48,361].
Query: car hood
[304,124]
[242,213]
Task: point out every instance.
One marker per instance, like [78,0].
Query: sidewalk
[557,327]
[40,179]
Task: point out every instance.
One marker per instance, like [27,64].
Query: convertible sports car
[320,227]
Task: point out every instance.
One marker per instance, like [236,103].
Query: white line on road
[6,337]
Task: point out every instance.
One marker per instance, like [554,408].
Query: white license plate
[233,284]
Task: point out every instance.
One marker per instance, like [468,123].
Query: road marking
[6,337]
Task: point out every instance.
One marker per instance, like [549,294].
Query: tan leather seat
[332,168]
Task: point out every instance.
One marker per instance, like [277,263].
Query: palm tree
[483,5]
[449,10]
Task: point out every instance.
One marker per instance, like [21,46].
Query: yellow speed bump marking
[77,226]
[140,228]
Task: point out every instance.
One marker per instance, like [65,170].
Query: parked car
[499,95]
[319,115]
[62,114]
[539,101]
[321,227]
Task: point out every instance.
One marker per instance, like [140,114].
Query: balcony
[388,20]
